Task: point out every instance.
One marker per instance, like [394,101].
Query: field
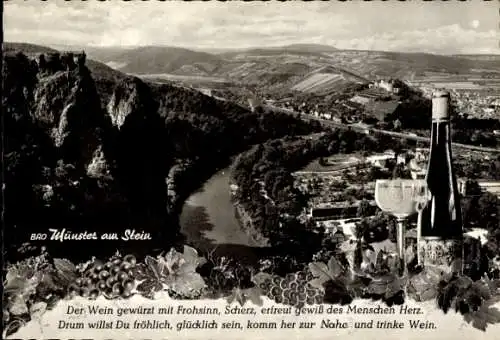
[471,81]
[334,163]
[189,80]
[320,82]
[381,109]
[175,77]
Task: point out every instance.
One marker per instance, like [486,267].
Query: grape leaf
[236,295]
[173,260]
[492,285]
[428,294]
[243,295]
[64,265]
[323,273]
[21,286]
[462,282]
[37,309]
[187,284]
[421,282]
[334,267]
[394,287]
[318,283]
[48,283]
[191,256]
[158,268]
[358,284]
[254,295]
[17,305]
[326,272]
[387,285]
[142,272]
[261,278]
[13,326]
[483,289]
[66,271]
[149,287]
[182,277]
[479,323]
[377,287]
[484,316]
[14,285]
[319,270]
[11,275]
[447,296]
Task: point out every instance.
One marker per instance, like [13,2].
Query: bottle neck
[440,132]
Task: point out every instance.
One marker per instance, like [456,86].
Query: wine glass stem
[401,245]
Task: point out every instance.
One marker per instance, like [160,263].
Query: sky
[444,27]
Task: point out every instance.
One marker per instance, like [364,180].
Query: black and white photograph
[251,169]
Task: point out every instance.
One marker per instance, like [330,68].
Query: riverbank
[246,221]
[210,221]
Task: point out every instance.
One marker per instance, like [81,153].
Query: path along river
[209,222]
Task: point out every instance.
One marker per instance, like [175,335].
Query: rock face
[131,97]
[72,163]
[67,105]
[141,153]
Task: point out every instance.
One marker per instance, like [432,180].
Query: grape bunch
[470,302]
[336,293]
[292,290]
[113,279]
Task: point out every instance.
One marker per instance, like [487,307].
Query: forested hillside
[90,155]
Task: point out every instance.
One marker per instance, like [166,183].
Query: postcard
[251,170]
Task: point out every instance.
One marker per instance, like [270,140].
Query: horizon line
[235,49]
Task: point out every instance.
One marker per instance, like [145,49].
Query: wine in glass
[401,198]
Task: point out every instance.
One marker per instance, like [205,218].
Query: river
[208,220]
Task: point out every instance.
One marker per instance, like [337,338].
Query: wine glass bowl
[401,197]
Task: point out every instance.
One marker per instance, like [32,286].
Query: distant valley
[308,68]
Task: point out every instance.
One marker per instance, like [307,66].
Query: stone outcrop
[67,105]
[140,150]
[72,162]
[131,97]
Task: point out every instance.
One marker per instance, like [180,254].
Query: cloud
[432,27]
[445,39]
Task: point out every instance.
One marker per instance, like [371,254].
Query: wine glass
[401,198]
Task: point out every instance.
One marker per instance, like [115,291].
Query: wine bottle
[441,229]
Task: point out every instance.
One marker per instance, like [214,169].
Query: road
[385,132]
[371,130]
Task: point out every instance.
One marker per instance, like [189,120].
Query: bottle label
[443,254]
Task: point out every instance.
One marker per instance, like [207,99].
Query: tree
[364,208]
[489,211]
[473,188]
[472,169]
[54,62]
[401,172]
[42,64]
[494,169]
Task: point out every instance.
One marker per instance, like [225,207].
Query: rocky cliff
[71,163]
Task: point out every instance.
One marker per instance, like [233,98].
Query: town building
[490,186]
[335,210]
[418,165]
[380,160]
[341,229]
[360,99]
[387,85]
